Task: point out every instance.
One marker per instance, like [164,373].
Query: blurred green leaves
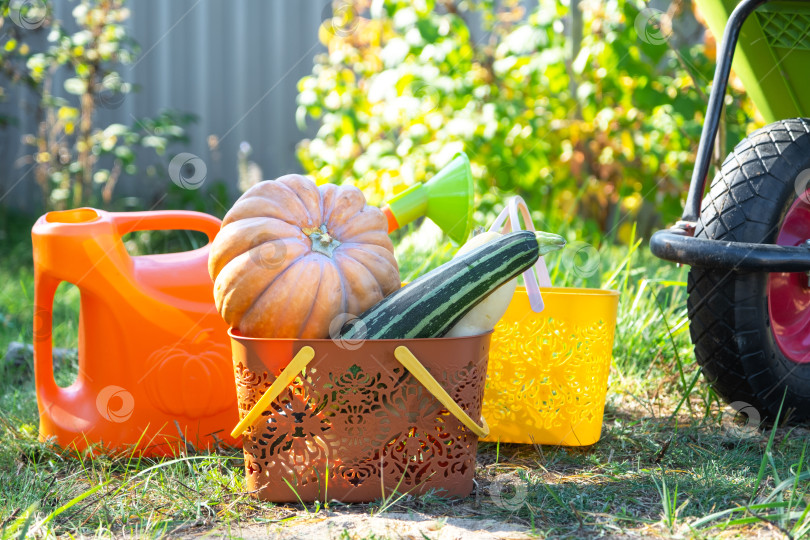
[76,160]
[597,138]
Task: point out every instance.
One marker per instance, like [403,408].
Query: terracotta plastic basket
[548,372]
[355,425]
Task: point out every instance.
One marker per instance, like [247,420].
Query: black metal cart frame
[678,244]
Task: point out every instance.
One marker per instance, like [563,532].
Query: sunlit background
[592,117]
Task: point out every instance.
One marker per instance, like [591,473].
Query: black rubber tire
[728,311]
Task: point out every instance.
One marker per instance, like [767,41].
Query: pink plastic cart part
[537,276]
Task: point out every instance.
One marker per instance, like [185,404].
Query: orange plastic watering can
[154,357]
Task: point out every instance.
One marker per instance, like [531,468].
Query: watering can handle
[44,292]
[402,354]
[127,222]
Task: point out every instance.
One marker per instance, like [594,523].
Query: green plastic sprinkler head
[446,199]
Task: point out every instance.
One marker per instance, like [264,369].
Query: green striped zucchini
[432,304]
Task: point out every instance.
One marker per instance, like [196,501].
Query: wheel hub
[789,293]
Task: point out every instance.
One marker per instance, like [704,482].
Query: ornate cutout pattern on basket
[546,377]
[349,431]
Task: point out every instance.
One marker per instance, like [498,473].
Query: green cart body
[773,55]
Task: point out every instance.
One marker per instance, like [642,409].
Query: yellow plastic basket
[548,372]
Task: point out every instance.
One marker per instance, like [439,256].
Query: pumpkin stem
[322,241]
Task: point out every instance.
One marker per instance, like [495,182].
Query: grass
[671,461]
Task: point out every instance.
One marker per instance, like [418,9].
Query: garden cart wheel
[751,330]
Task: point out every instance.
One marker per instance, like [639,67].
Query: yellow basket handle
[402,354]
[407,359]
[287,375]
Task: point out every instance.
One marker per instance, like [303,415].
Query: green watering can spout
[446,199]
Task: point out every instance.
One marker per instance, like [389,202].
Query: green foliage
[597,129]
[74,158]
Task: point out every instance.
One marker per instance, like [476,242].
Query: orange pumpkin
[292,256]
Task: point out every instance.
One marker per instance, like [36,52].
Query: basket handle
[405,357]
[287,375]
[536,276]
[410,362]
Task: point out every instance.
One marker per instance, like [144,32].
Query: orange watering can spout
[154,358]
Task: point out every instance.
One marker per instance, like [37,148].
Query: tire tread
[746,202]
